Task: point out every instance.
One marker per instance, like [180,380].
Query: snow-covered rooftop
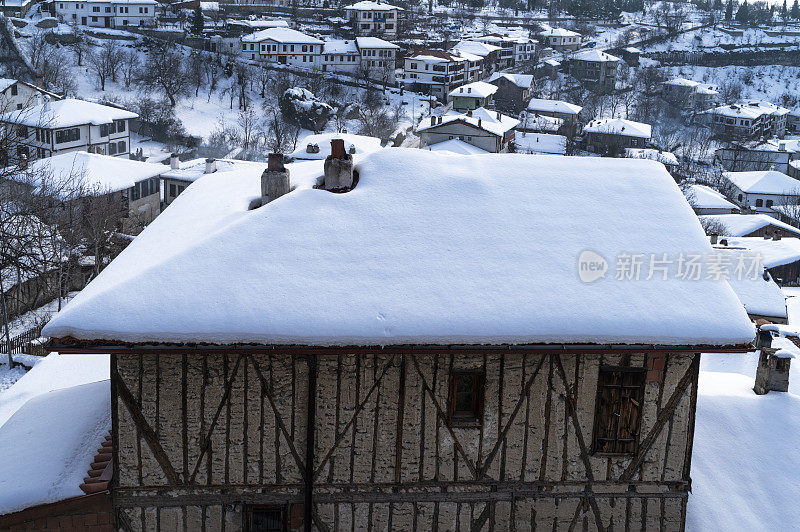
[477,89]
[759,294]
[749,109]
[374,42]
[456,146]
[764,182]
[6,83]
[682,82]
[362,144]
[553,106]
[194,169]
[369,5]
[98,173]
[520,80]
[480,49]
[492,121]
[68,112]
[537,122]
[595,55]
[429,248]
[281,35]
[340,47]
[558,32]
[737,225]
[619,126]
[704,197]
[273,23]
[773,252]
[540,143]
[664,157]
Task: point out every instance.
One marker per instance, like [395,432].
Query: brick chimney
[338,168]
[174,162]
[275,179]
[211,165]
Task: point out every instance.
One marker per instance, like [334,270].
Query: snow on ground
[768,82]
[54,372]
[9,376]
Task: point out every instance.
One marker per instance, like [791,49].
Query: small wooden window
[620,392]
[266,519]
[466,398]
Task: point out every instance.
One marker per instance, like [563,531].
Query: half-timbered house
[421,341]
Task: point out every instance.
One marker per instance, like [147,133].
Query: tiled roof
[101,469]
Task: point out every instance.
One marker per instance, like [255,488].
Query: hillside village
[320,264]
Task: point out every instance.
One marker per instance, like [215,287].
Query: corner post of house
[115,521]
[308,498]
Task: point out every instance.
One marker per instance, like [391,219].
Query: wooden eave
[70,345]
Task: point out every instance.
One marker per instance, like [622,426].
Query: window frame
[597,422]
[479,393]
[252,508]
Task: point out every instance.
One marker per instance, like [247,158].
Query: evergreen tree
[718,5]
[743,15]
[795,10]
[784,11]
[729,10]
[197,20]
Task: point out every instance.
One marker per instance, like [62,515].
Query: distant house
[135,183]
[688,94]
[666,158]
[179,175]
[631,55]
[16,8]
[435,72]
[283,46]
[472,96]
[68,125]
[749,119]
[560,39]
[771,154]
[513,49]
[793,121]
[16,94]
[780,256]
[706,200]
[536,123]
[595,69]
[377,18]
[612,135]
[568,112]
[488,130]
[483,58]
[513,91]
[741,225]
[378,58]
[340,56]
[107,13]
[760,190]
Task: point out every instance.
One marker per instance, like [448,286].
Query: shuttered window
[466,398]
[619,410]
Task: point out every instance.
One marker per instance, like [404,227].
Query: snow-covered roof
[552,62]
[6,83]
[68,112]
[369,5]
[520,80]
[491,121]
[764,182]
[99,173]
[738,225]
[340,47]
[682,82]
[542,123]
[558,32]
[434,56]
[705,197]
[749,109]
[362,143]
[209,6]
[429,248]
[375,42]
[281,35]
[540,143]
[274,23]
[49,444]
[456,146]
[775,145]
[194,169]
[480,49]
[553,106]
[476,89]
[595,55]
[664,157]
[760,296]
[773,252]
[632,50]
[619,126]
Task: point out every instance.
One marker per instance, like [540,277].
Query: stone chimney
[338,168]
[776,235]
[211,165]
[714,239]
[275,179]
[174,162]
[772,373]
